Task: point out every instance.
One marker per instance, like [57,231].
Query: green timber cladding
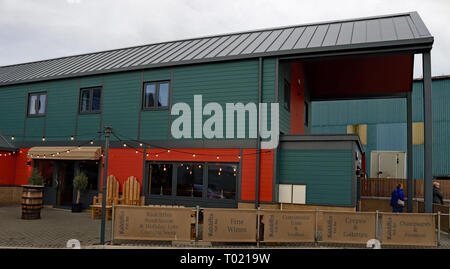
[326,173]
[223,82]
[386,123]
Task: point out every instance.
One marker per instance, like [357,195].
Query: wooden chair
[112,196]
[131,194]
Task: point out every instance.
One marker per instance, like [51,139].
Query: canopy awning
[65,153]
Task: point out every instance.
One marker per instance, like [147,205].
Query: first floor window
[37,103]
[90,100]
[156,95]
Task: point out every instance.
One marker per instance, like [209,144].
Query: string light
[92,142]
[168,150]
[140,144]
[156,155]
[12,138]
[136,152]
[43,138]
[124,145]
[217,157]
[193,155]
[72,138]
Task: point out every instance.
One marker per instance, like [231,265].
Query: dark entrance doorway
[58,181]
[64,180]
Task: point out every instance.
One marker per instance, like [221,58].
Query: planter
[32,201]
[76,208]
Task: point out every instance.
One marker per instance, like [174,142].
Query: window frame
[38,94]
[174,178]
[91,96]
[157,87]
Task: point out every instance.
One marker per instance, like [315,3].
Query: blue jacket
[397,194]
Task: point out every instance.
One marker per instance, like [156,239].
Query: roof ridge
[216,35]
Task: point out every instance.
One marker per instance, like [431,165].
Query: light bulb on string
[140,144]
[72,138]
[124,145]
[43,139]
[168,150]
[12,138]
[92,142]
[217,157]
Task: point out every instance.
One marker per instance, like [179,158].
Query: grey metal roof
[5,144]
[405,29]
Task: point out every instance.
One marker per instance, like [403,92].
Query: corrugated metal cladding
[386,123]
[398,29]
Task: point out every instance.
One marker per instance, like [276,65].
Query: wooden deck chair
[112,196]
[131,194]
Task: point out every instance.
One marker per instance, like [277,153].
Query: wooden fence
[383,187]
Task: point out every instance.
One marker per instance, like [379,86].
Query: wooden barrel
[31,202]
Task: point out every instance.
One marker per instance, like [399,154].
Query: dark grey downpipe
[258,138]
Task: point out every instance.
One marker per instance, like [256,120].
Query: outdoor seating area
[131,195]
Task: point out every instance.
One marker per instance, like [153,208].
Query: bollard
[112,224]
[196,222]
[438,243]
[257,227]
[316,228]
[376,224]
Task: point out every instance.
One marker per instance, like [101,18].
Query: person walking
[437,194]
[398,199]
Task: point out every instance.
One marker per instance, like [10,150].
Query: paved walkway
[55,227]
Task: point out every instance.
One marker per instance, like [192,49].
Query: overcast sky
[33,30]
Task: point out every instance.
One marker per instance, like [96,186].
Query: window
[90,100]
[37,103]
[190,179]
[46,168]
[90,169]
[156,95]
[359,129]
[287,95]
[160,176]
[222,181]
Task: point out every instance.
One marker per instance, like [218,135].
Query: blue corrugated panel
[386,123]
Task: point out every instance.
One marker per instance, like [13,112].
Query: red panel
[123,163]
[7,167]
[248,177]
[23,171]
[266,176]
[297,98]
[360,76]
[186,155]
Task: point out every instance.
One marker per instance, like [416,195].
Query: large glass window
[222,181]
[156,95]
[46,168]
[90,168]
[90,100]
[160,176]
[37,103]
[190,179]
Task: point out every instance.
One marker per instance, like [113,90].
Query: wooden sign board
[225,225]
[347,227]
[408,229]
[152,223]
[289,226]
